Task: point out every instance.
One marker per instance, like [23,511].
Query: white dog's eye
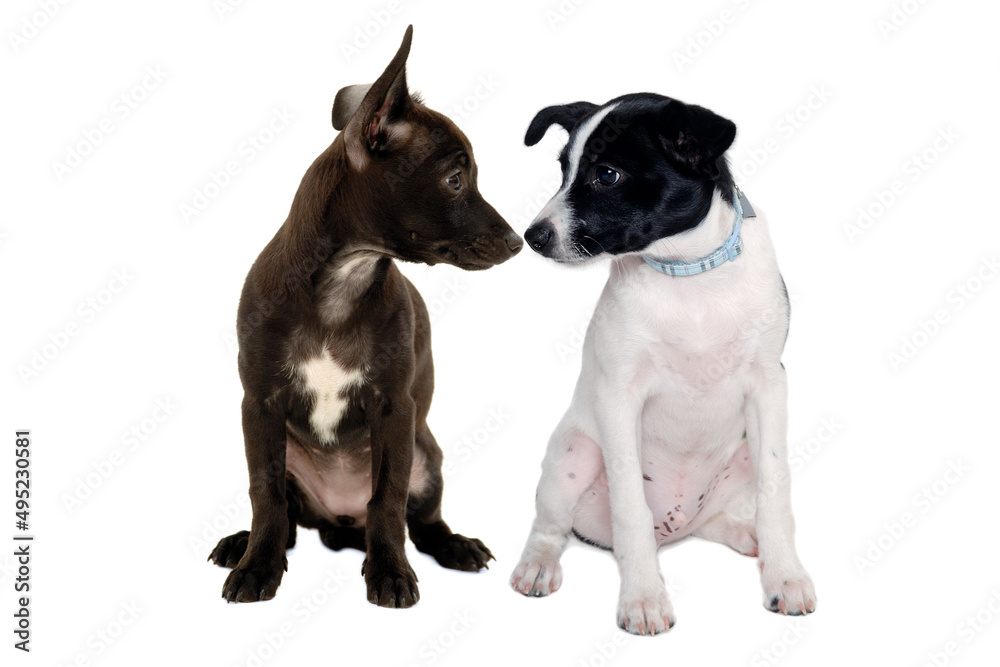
[607,176]
[454,181]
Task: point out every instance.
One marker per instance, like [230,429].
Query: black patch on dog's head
[566,115]
[647,171]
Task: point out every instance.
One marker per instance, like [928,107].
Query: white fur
[328,382]
[674,370]
[558,211]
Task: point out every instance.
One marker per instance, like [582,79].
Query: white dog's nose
[539,235]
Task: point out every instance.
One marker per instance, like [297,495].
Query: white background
[505,340]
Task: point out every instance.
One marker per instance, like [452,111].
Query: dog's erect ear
[368,116]
[347,102]
[567,115]
[694,135]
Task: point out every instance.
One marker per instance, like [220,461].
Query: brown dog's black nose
[514,242]
[539,235]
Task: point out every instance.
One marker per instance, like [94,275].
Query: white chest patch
[328,382]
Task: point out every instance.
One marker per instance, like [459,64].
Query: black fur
[567,115]
[670,156]
[593,543]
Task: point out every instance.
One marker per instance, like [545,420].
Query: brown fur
[379,193]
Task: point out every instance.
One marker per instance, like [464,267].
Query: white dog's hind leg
[572,463]
[737,534]
[787,586]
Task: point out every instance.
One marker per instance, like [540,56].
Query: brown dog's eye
[607,176]
[454,181]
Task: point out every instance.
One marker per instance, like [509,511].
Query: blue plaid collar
[727,253]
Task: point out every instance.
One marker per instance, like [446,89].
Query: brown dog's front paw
[253,583]
[390,586]
[229,550]
[459,552]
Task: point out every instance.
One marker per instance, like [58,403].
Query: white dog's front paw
[648,614]
[788,592]
[537,577]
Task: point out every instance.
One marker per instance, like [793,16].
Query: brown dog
[335,354]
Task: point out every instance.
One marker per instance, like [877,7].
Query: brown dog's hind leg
[430,534]
[342,537]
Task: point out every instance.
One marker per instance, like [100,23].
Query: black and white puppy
[678,423]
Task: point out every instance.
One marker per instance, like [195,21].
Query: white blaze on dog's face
[640,168]
[558,213]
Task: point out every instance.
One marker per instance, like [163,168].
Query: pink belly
[337,484]
[682,495]
[333,483]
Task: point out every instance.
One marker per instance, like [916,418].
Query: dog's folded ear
[347,102]
[370,113]
[567,115]
[694,135]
